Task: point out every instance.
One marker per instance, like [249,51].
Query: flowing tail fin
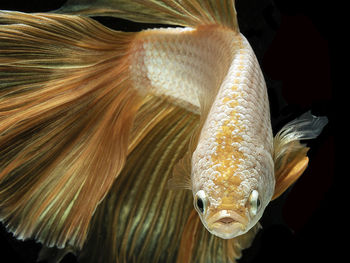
[176,12]
[66,110]
[289,154]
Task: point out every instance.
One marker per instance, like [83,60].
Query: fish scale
[178,62]
[239,119]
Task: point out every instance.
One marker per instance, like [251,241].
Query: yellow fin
[289,154]
[290,172]
[66,110]
[140,220]
[176,12]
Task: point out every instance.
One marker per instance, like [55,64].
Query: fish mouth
[227,224]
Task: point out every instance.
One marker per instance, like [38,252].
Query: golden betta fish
[96,125]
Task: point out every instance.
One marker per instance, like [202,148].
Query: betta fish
[96,125]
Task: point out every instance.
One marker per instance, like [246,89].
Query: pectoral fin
[290,172]
[289,154]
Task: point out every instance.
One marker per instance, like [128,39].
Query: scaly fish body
[234,151]
[179,63]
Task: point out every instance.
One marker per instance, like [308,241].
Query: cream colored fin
[66,111]
[176,12]
[181,178]
[140,220]
[289,154]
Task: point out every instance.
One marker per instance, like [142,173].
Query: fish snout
[227,224]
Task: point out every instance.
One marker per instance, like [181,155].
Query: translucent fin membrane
[66,110]
[176,12]
[289,154]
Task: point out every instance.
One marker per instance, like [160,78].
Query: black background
[295,42]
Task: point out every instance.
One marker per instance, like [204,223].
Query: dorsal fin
[175,12]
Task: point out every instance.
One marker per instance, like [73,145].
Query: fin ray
[65,96]
[176,12]
[289,154]
[140,211]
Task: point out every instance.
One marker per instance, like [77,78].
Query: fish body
[181,63]
[234,153]
[83,108]
[212,71]
[233,156]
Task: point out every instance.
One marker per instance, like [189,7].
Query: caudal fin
[66,110]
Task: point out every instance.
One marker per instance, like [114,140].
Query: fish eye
[200,205]
[200,201]
[254,202]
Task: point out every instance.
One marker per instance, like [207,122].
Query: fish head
[231,213]
[235,215]
[230,202]
[232,180]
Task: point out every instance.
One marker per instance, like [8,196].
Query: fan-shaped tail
[66,111]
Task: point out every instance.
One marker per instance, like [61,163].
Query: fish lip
[218,216]
[226,224]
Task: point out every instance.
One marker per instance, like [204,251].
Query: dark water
[295,44]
